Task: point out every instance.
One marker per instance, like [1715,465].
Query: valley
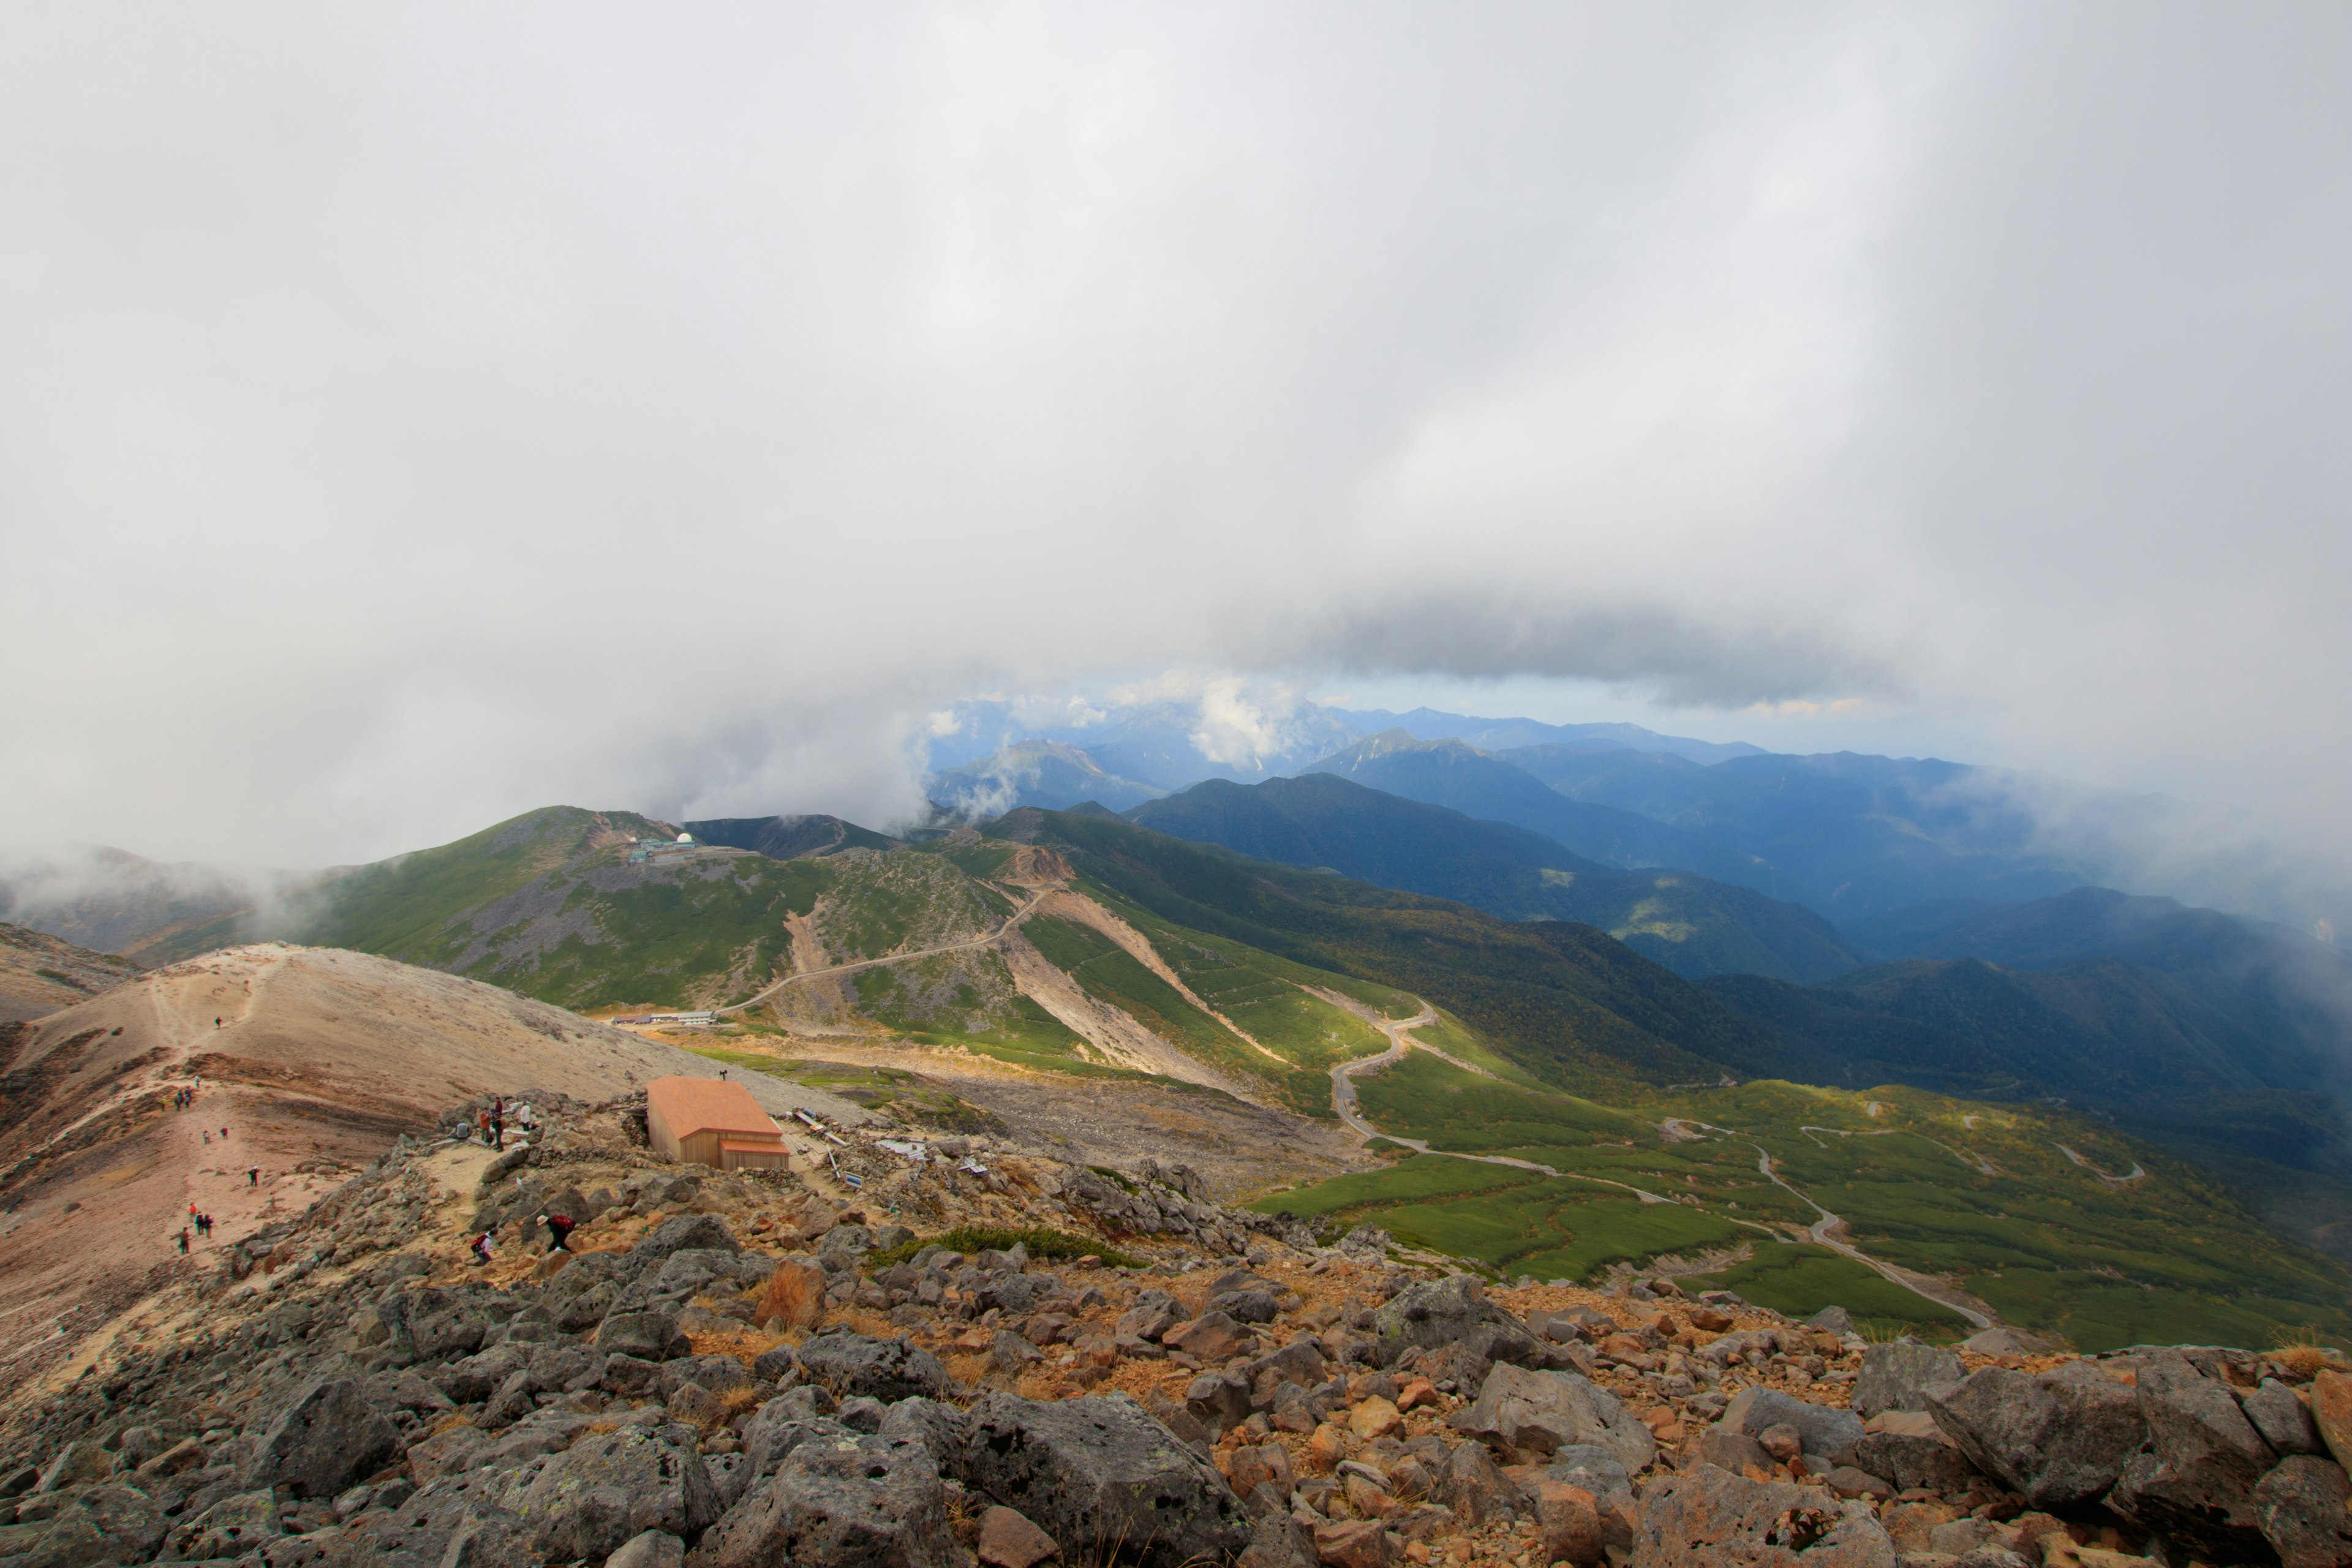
[1365,1009]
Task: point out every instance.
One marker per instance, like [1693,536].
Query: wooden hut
[710,1121]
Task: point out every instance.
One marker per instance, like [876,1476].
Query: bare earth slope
[313,1059]
[39,973]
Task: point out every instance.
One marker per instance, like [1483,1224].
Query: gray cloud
[408,417]
[1685,660]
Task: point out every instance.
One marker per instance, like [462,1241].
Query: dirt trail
[1402,1044]
[319,1061]
[2137,1173]
[1829,1229]
[970,944]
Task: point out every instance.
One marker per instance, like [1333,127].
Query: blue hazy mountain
[1456,776]
[1688,924]
[1502,734]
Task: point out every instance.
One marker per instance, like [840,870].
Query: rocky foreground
[753,1370]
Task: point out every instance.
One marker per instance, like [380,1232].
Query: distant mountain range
[1851,836]
[1503,734]
[1693,925]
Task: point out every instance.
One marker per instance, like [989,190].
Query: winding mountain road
[970,944]
[1400,1045]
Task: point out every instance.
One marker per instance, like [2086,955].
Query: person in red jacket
[559,1231]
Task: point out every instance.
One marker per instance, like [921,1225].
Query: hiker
[224,1134]
[208,1138]
[184,1238]
[205,1224]
[482,1247]
[498,1133]
[559,1229]
[253,1175]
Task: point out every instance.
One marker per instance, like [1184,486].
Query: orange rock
[1354,1543]
[1372,1501]
[2331,1412]
[1007,1540]
[1326,1449]
[1710,1319]
[1418,1393]
[1375,1417]
[1570,1521]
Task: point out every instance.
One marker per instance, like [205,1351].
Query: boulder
[1099,1471]
[1278,1541]
[105,1523]
[1217,1400]
[648,1336]
[1452,1313]
[1476,1490]
[2331,1412]
[455,1519]
[2058,1438]
[1007,1540]
[1536,1412]
[1246,1306]
[1836,1321]
[654,1549]
[784,1424]
[942,1430]
[2282,1419]
[325,1439]
[1896,1377]
[1570,1518]
[719,1374]
[852,1365]
[447,1453]
[564,1368]
[1154,1313]
[229,1528]
[2195,1485]
[1212,1337]
[1821,1430]
[629,1375]
[511,1404]
[681,1233]
[609,1487]
[1707,1518]
[2302,1506]
[1354,1543]
[1908,1450]
[79,1463]
[844,1499]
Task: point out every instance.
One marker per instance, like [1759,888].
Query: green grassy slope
[1569,1002]
[549,904]
[2050,1243]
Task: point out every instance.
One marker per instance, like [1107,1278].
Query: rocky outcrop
[2057,1439]
[1709,1518]
[1898,1376]
[327,1438]
[1103,1479]
[2195,1482]
[1534,1412]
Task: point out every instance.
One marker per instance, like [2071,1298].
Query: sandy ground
[39,973]
[313,1060]
[1242,1149]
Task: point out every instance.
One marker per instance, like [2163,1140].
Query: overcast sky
[411,414]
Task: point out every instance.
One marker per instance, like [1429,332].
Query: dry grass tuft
[2300,1352]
